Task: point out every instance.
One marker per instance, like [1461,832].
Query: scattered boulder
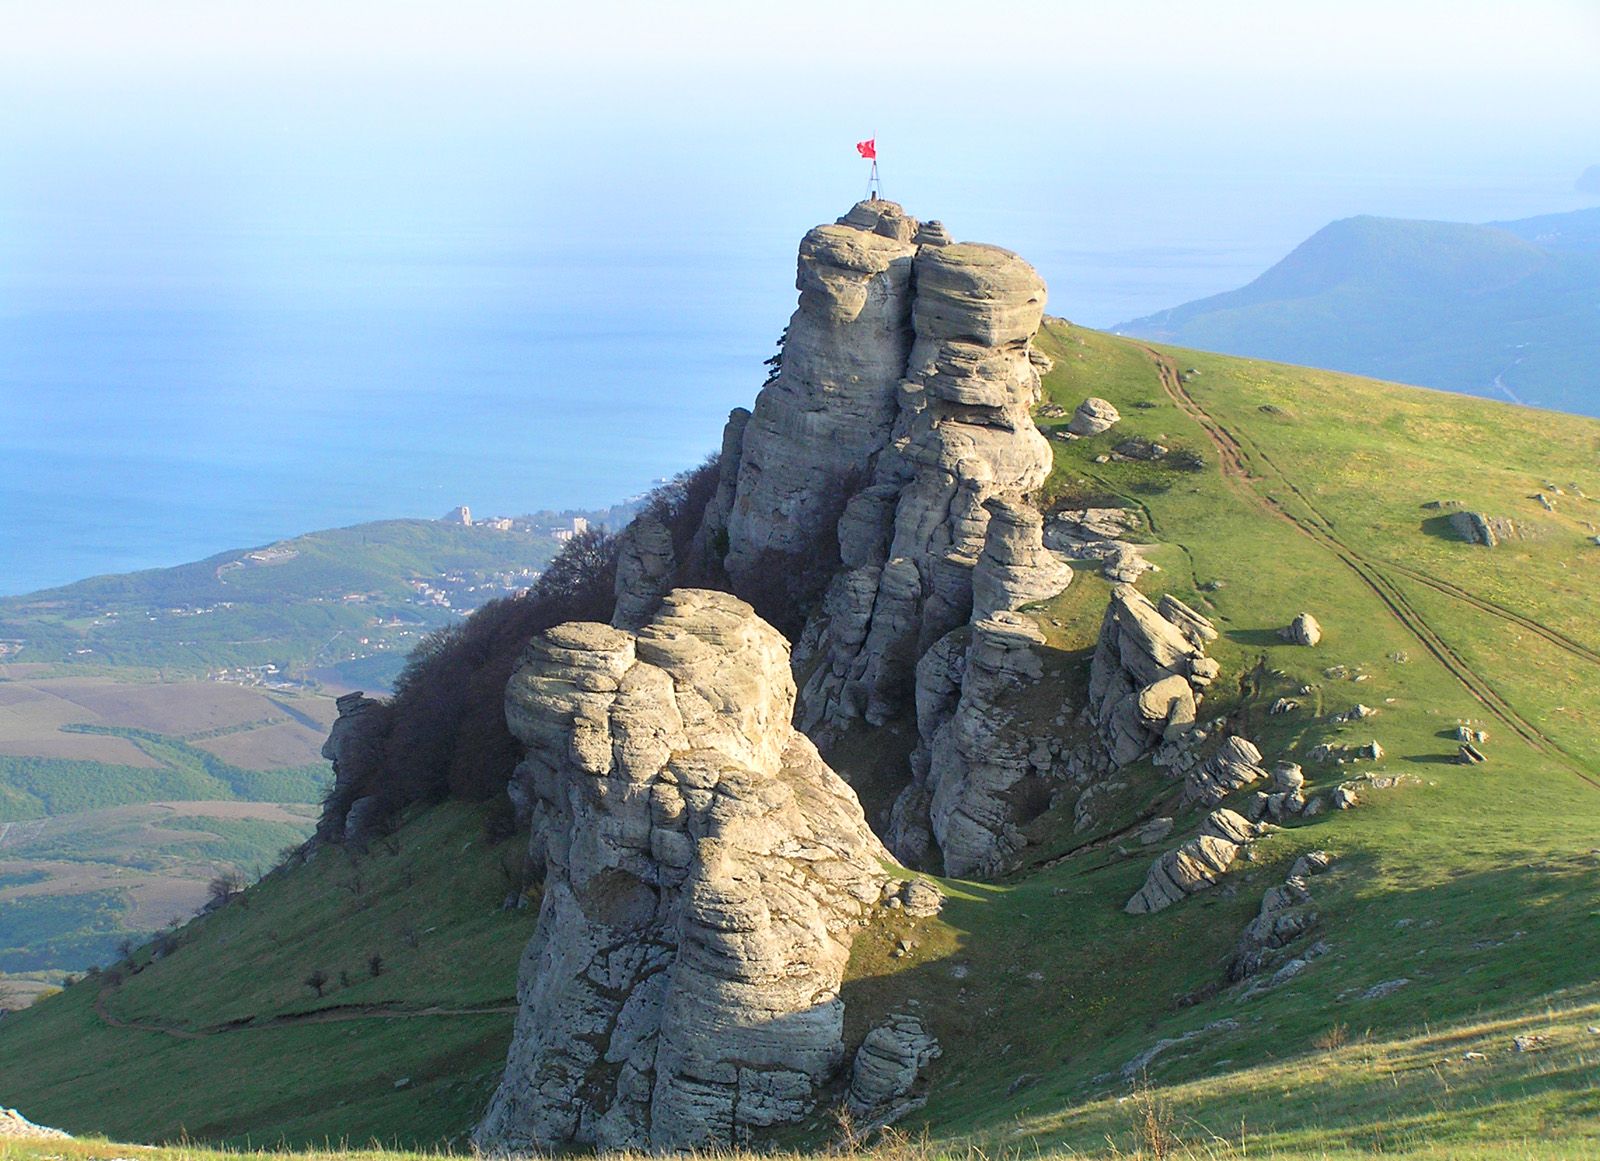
[1303,630]
[1093,417]
[1196,865]
[1470,755]
[1478,528]
[887,1065]
[920,898]
[1235,765]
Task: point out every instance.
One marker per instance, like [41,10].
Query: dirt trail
[316,1016]
[1236,468]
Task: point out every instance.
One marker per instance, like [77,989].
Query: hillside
[1505,310]
[163,728]
[1457,914]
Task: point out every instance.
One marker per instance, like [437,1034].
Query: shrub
[317,981]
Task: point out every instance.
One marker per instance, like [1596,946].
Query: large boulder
[704,872]
[1093,416]
[1148,674]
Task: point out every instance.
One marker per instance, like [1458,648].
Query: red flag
[868,148]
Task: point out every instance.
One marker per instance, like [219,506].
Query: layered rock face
[704,874]
[976,777]
[1149,672]
[902,411]
[817,426]
[354,745]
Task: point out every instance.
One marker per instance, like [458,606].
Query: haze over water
[238,303]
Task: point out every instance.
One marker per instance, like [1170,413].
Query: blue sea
[176,383]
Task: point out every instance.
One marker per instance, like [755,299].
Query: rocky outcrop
[887,1066]
[1286,914]
[1099,534]
[1235,765]
[901,412]
[1480,528]
[817,426]
[1196,865]
[15,1126]
[1015,568]
[1148,673]
[645,567]
[355,747]
[1303,630]
[977,778]
[703,873]
[1093,416]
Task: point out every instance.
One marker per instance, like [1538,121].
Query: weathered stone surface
[816,427]
[1480,528]
[1303,630]
[1015,568]
[645,565]
[354,745]
[15,1126]
[1148,673]
[1196,865]
[888,1064]
[949,442]
[1285,915]
[1099,534]
[1234,766]
[704,872]
[1092,417]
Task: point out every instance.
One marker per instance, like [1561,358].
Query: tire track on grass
[1235,462]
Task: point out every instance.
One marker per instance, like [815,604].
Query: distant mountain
[1506,309]
[1589,180]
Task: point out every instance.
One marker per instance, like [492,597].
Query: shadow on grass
[1257,638]
[1440,529]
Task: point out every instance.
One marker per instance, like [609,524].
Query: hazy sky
[226,225]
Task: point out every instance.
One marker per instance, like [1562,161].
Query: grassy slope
[283,613]
[1476,885]
[249,1054]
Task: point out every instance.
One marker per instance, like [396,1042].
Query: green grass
[292,613]
[1479,886]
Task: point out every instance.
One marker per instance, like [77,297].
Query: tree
[375,965]
[316,981]
[222,889]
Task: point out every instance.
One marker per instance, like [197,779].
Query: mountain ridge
[1505,308]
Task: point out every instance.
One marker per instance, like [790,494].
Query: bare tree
[316,981]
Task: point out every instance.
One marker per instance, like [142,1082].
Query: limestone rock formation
[1015,567]
[15,1126]
[1285,915]
[1196,865]
[703,873]
[354,745]
[977,779]
[1099,534]
[900,424]
[1480,528]
[1148,673]
[1303,630]
[645,566]
[888,1064]
[1235,765]
[1092,417]
[818,425]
